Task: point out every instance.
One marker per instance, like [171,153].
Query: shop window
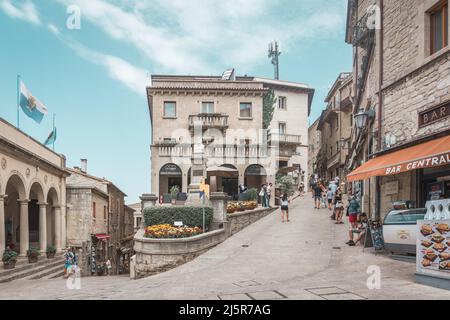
[439,26]
[170,109]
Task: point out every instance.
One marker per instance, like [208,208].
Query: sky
[89,62]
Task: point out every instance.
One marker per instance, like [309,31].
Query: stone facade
[407,78]
[32,193]
[315,144]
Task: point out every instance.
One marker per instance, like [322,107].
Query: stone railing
[213,151]
[209,120]
[284,138]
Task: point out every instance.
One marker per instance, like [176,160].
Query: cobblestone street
[304,259]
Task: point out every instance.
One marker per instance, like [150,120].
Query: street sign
[178,223]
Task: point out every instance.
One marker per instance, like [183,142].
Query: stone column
[24,229]
[219,201]
[58,228]
[2,225]
[147,200]
[63,227]
[42,226]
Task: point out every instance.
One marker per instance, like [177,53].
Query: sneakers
[351,243]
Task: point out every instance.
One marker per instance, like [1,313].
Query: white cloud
[25,11]
[118,69]
[53,29]
[199,36]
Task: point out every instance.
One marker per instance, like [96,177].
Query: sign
[255,170]
[170,170]
[178,223]
[433,243]
[391,188]
[376,233]
[434,114]
[434,161]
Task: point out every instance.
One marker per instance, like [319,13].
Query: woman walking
[339,206]
[285,207]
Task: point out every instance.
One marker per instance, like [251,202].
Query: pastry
[444,265]
[426,263]
[444,256]
[426,230]
[430,255]
[440,247]
[427,243]
[443,227]
[437,237]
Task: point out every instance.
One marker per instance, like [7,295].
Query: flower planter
[50,255]
[32,259]
[9,264]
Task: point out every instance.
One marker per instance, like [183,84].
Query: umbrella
[226,172]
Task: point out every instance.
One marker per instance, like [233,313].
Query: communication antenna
[274,53]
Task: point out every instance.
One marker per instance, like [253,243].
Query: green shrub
[33,252]
[9,255]
[190,216]
[249,195]
[51,249]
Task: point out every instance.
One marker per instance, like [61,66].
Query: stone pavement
[303,259]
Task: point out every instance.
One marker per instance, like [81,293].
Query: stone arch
[16,180]
[53,192]
[255,175]
[170,174]
[52,221]
[36,190]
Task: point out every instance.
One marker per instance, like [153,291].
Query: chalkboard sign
[376,234]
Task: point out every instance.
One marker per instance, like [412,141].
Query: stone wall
[241,220]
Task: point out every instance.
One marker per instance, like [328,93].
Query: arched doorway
[15,204]
[255,176]
[170,175]
[230,185]
[36,197]
[53,219]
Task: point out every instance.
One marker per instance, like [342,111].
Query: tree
[285,183]
[269,101]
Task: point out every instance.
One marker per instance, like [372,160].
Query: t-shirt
[317,191]
[330,194]
[333,187]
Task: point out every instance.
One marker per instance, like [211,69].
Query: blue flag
[51,137]
[31,106]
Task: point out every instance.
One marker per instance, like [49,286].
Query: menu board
[433,247]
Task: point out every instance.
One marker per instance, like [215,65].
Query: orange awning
[434,153]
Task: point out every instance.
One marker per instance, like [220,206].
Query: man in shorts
[353,210]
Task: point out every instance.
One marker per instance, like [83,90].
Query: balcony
[212,151]
[284,139]
[209,121]
[334,160]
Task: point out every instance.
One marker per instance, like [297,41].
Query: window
[282,128]
[245,110]
[439,26]
[94,209]
[104,212]
[282,103]
[207,107]
[170,109]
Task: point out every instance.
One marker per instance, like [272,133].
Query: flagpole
[18,101]
[54,116]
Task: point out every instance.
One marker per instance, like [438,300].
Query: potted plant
[174,191]
[9,259]
[33,255]
[51,251]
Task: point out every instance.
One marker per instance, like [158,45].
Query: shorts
[285,208]
[330,201]
[353,218]
[318,197]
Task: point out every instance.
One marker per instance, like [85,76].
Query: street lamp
[362,116]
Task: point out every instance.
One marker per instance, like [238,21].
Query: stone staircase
[43,269]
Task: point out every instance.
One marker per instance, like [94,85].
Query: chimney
[84,165]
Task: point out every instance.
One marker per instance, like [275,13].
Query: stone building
[288,130]
[137,207]
[230,112]
[32,193]
[315,144]
[335,126]
[401,81]
[98,223]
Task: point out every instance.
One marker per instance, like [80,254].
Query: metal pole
[204,195]
[54,116]
[18,101]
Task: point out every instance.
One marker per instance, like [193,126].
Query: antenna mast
[274,53]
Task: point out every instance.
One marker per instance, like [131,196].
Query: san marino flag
[31,106]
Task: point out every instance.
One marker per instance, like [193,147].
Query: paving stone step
[31,269]
[22,264]
[50,271]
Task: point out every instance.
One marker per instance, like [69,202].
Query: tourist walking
[353,210]
[339,205]
[68,262]
[108,267]
[285,208]
[269,193]
[330,196]
[317,196]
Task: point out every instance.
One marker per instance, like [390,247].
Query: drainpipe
[380,108]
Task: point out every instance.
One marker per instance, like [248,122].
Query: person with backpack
[285,208]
